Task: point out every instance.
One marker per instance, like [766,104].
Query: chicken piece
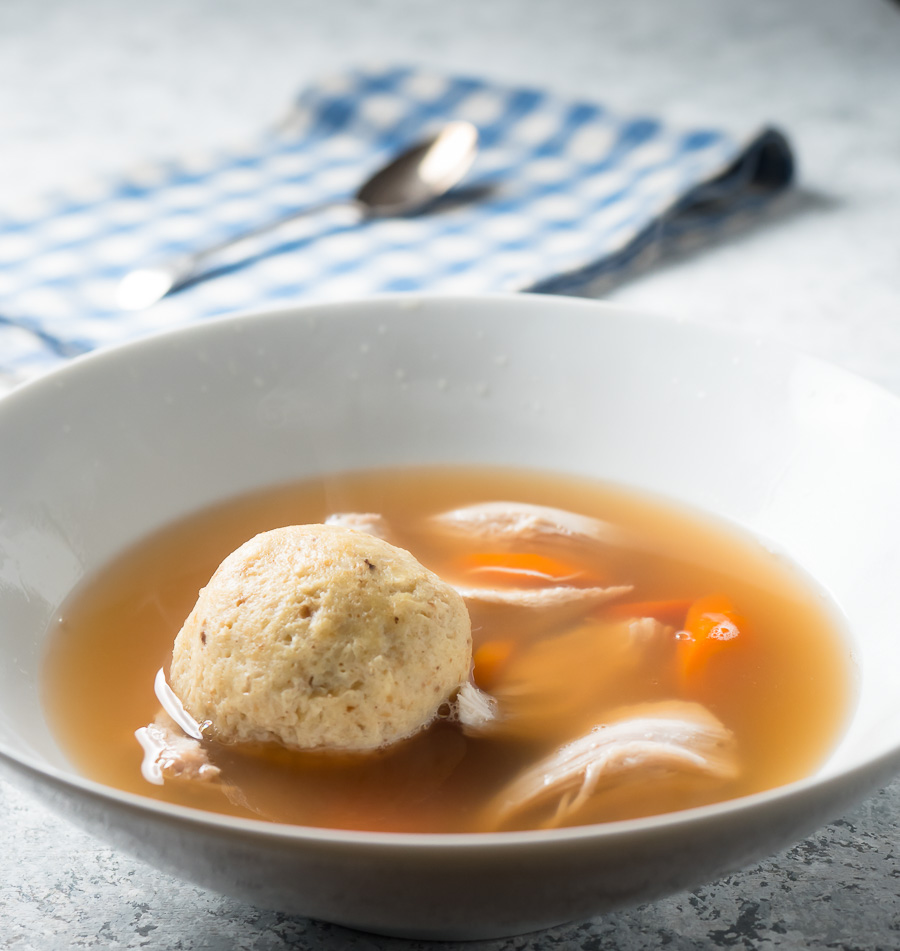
[548,689]
[174,709]
[642,743]
[649,631]
[321,637]
[554,600]
[172,742]
[475,709]
[171,755]
[534,602]
[372,523]
[499,523]
[533,611]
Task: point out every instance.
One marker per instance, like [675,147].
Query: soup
[708,631]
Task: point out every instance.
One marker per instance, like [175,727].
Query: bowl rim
[883,764]
[413,300]
[294,834]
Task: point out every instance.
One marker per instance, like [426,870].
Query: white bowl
[118,443]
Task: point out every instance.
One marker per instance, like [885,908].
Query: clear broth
[786,702]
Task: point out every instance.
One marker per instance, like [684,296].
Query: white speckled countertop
[91,88]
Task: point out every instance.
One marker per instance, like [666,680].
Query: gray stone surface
[89,88]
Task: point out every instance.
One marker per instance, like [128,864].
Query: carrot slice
[712,625]
[519,569]
[489,662]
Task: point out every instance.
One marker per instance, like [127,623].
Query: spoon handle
[145,286]
[197,258]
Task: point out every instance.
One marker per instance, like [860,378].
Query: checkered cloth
[563,195]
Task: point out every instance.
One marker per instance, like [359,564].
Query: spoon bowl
[420,174]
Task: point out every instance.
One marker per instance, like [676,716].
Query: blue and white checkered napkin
[563,193]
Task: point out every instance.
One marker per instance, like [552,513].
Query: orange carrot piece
[672,611]
[711,625]
[489,661]
[519,561]
[519,569]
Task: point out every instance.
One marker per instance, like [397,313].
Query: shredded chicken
[475,709]
[174,708]
[561,598]
[494,523]
[172,742]
[648,631]
[169,754]
[533,611]
[528,608]
[372,523]
[541,698]
[639,743]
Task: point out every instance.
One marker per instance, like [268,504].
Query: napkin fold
[564,196]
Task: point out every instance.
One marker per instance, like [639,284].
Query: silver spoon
[408,182]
